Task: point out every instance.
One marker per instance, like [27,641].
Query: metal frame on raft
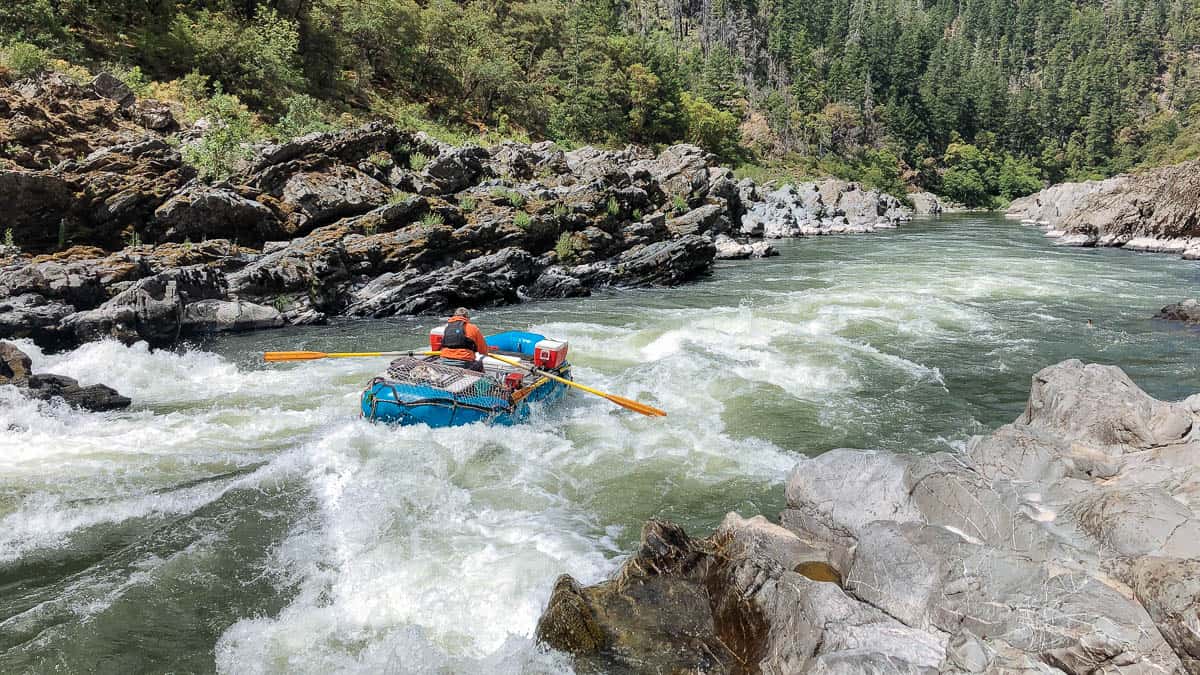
[492,412]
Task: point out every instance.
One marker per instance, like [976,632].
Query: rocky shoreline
[1067,541]
[114,235]
[1157,211]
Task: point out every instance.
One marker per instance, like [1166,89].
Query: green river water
[241,518]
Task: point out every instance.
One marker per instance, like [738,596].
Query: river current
[241,518]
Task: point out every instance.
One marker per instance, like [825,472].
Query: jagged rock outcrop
[370,221]
[926,203]
[16,370]
[1064,542]
[1158,211]
[824,207]
[199,212]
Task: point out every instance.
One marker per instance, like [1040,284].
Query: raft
[424,390]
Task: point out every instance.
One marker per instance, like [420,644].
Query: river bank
[1155,211]
[112,235]
[240,518]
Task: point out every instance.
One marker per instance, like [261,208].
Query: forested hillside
[972,98]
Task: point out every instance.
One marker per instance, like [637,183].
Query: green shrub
[679,204]
[569,246]
[399,197]
[417,161]
[37,21]
[713,129]
[258,60]
[522,220]
[381,159]
[136,80]
[637,214]
[8,238]
[432,219]
[226,142]
[467,204]
[303,117]
[613,208]
[1018,178]
[963,184]
[561,210]
[514,198]
[25,60]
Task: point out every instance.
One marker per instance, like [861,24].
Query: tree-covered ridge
[1073,88]
[974,98]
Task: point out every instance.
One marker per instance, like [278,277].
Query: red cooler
[549,354]
[435,338]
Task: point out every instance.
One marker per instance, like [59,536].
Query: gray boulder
[1187,311]
[201,212]
[710,218]
[1063,542]
[665,263]
[926,203]
[729,248]
[33,316]
[1169,589]
[315,198]
[556,282]
[151,309]
[223,316]
[108,86]
[824,207]
[16,370]
[933,579]
[456,169]
[1156,210]
[488,280]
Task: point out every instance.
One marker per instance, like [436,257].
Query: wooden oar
[642,408]
[313,356]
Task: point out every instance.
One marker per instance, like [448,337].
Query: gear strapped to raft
[441,385]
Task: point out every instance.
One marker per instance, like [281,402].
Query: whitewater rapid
[242,518]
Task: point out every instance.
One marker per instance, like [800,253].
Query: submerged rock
[1187,311]
[729,248]
[1063,542]
[16,370]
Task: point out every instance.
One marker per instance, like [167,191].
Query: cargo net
[455,380]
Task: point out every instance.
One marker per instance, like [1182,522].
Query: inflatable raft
[425,390]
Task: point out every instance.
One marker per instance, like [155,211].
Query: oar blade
[293,356]
[647,410]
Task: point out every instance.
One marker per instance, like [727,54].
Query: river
[242,518]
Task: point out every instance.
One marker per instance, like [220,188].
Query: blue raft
[427,391]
